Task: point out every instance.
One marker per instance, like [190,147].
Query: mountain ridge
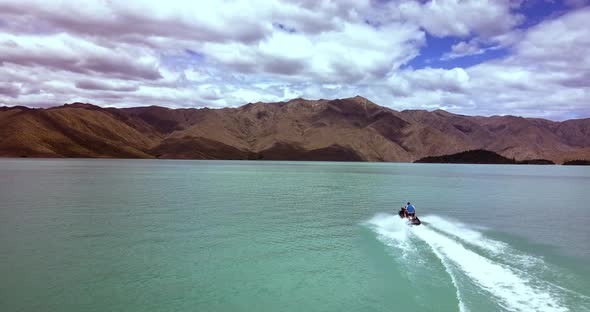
[354,129]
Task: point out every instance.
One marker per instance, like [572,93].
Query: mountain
[352,129]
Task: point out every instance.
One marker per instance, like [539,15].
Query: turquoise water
[145,235]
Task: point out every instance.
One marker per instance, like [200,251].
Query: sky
[521,57]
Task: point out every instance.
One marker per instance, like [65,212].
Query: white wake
[513,289]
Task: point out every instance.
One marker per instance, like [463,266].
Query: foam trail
[395,232]
[456,228]
[462,307]
[514,292]
[392,230]
[462,232]
[476,238]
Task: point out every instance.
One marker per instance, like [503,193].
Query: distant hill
[577,163]
[352,129]
[468,157]
[480,157]
[536,162]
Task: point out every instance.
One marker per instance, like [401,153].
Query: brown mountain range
[352,129]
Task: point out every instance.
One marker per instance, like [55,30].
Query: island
[480,156]
[577,162]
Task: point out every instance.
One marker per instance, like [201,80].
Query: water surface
[153,235]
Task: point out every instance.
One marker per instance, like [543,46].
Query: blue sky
[471,57]
[432,55]
[534,12]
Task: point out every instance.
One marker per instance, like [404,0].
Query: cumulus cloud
[546,76]
[238,45]
[353,53]
[188,54]
[464,48]
[130,19]
[64,52]
[103,85]
[9,89]
[413,84]
[548,70]
[463,18]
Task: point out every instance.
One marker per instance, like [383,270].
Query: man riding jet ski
[409,211]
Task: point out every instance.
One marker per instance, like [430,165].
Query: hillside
[352,129]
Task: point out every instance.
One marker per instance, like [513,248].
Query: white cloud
[353,53]
[463,18]
[9,89]
[464,48]
[64,52]
[89,84]
[546,76]
[186,53]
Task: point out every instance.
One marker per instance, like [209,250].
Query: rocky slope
[352,129]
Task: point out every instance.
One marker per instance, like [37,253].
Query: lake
[166,235]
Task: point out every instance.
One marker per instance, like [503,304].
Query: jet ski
[412,220]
